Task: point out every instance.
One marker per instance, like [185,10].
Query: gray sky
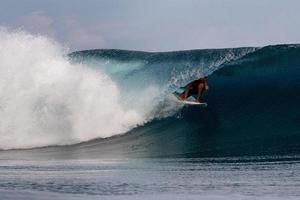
[157,25]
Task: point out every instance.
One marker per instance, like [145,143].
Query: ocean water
[186,178]
[103,124]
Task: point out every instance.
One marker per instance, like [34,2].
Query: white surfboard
[187,102]
[190,101]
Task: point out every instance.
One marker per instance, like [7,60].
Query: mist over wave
[46,100]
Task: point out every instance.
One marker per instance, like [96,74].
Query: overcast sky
[156,25]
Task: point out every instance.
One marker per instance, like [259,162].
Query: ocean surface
[103,124]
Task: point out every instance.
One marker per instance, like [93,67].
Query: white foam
[46,100]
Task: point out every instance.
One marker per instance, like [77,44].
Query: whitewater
[47,100]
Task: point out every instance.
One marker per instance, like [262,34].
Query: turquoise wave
[253,102]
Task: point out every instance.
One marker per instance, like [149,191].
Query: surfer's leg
[200,92]
[184,95]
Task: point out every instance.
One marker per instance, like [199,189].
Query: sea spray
[46,100]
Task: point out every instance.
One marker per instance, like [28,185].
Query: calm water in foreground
[187,178]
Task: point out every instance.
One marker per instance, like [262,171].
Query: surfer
[195,88]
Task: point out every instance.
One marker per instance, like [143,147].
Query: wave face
[253,102]
[47,98]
